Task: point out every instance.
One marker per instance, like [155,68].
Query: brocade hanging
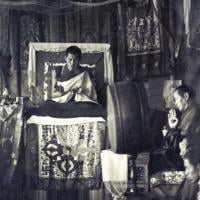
[143,29]
[64,156]
[11,122]
[29,32]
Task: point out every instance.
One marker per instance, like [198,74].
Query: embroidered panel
[65,156]
[143,29]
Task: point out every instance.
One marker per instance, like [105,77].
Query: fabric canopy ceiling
[53,6]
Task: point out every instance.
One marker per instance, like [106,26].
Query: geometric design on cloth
[65,162]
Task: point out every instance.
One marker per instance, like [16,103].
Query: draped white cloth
[46,120]
[83,84]
[114,166]
[115,173]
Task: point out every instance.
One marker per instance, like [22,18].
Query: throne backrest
[96,58]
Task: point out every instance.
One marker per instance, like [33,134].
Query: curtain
[4,48]
[56,6]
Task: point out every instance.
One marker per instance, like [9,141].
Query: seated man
[189,123]
[72,80]
[186,125]
[74,94]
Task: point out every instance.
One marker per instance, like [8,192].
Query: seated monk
[73,94]
[72,81]
[184,126]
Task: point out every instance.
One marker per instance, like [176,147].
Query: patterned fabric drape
[11,122]
[29,32]
[64,156]
[143,29]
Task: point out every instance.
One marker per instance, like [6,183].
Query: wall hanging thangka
[142,29]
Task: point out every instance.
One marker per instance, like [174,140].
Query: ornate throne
[64,153]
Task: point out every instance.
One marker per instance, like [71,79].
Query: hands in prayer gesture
[172,119]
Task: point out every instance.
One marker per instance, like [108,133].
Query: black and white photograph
[99,100]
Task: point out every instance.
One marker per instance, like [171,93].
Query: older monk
[184,100]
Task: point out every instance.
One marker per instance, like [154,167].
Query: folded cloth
[70,109]
[110,166]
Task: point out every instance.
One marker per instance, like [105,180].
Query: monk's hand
[172,119]
[79,91]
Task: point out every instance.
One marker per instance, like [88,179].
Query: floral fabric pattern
[167,177]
